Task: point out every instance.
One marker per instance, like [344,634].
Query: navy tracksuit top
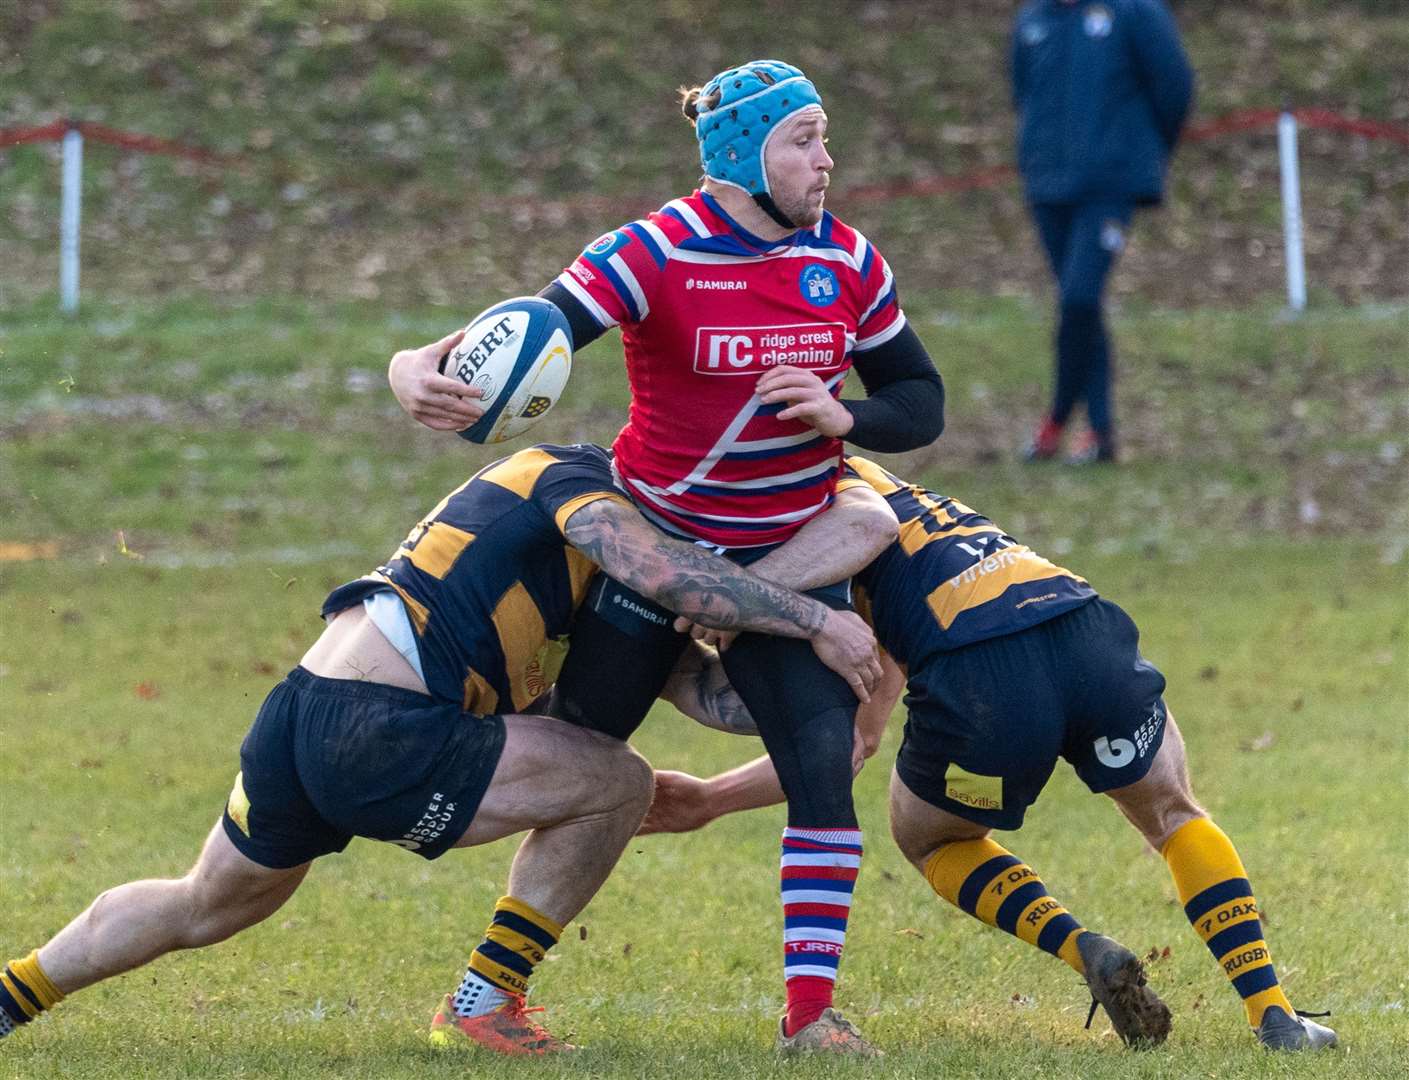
[1101,89]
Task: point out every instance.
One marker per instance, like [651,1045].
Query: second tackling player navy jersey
[952,577]
[488,580]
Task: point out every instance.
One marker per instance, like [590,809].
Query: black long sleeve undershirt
[904,406]
[584,328]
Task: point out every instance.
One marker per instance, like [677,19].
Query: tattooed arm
[837,543]
[713,592]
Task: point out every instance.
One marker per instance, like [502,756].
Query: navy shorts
[623,647]
[330,759]
[989,720]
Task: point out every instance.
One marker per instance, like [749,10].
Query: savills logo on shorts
[973,789]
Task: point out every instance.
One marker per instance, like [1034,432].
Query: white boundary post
[71,204]
[1291,211]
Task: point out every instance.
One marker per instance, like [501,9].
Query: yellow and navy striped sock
[1218,901]
[25,992]
[517,940]
[994,886]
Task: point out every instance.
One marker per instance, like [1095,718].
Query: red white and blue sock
[819,871]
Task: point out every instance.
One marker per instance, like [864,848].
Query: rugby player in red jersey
[742,307]
[1011,661]
[410,720]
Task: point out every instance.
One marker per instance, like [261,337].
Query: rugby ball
[519,354]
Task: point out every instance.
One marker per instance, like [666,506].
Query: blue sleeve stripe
[868,261]
[649,242]
[886,301]
[1214,895]
[622,292]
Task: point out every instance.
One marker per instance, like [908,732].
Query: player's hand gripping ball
[519,354]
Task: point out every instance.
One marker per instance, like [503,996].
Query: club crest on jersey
[818,285]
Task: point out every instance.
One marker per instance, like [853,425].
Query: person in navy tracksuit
[1101,88]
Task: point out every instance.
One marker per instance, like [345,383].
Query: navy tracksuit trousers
[1082,241]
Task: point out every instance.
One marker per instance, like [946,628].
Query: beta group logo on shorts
[752,350]
[818,285]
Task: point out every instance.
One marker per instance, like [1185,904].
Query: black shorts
[622,649]
[330,759]
[988,721]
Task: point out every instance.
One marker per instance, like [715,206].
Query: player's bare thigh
[551,772]
[919,828]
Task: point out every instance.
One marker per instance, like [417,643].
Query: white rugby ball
[519,353]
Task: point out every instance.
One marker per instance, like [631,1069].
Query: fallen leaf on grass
[910,931]
[147,691]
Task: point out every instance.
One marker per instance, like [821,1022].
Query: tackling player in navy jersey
[1012,662]
[743,307]
[404,722]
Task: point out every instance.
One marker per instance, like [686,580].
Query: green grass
[401,150]
[250,459]
[121,748]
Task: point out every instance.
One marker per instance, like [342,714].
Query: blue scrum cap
[753,100]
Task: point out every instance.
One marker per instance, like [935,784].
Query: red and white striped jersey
[706,308]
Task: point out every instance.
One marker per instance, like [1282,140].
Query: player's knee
[621,777]
[637,780]
[1159,809]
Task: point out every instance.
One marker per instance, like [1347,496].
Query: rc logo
[818,285]
[752,350]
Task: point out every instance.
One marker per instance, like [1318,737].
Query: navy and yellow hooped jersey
[488,580]
[952,577]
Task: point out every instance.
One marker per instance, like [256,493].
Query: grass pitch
[250,459]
